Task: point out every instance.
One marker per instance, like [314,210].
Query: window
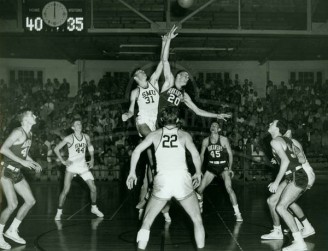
[306,77]
[26,76]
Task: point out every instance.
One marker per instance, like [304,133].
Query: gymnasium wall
[94,70]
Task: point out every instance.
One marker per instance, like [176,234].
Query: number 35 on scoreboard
[53,16]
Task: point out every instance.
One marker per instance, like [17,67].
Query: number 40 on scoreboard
[53,16]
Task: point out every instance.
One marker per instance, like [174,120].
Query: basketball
[185,3]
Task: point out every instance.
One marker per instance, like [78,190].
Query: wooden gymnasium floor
[80,230]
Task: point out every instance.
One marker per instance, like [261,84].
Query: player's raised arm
[157,73]
[169,79]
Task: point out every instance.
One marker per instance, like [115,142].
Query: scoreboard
[54,16]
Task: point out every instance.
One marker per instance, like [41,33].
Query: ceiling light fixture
[139,45]
[201,49]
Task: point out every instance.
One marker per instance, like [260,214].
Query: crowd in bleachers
[100,107]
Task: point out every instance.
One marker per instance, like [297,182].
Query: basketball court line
[225,225]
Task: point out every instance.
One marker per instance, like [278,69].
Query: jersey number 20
[170,141]
[174,100]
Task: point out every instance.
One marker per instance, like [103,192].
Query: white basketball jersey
[170,154]
[76,152]
[148,101]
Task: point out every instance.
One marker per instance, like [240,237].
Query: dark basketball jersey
[293,160]
[20,150]
[217,154]
[171,97]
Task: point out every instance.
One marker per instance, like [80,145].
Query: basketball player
[172,92]
[296,179]
[219,163]
[304,226]
[172,178]
[146,95]
[76,164]
[15,150]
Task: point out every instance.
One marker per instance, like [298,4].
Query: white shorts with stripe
[172,184]
[82,169]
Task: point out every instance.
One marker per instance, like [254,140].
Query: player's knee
[12,206]
[271,202]
[31,202]
[281,208]
[143,235]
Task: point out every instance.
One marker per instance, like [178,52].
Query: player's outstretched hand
[131,180]
[171,33]
[196,179]
[224,116]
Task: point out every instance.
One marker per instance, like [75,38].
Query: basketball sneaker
[3,243]
[296,246]
[95,210]
[274,235]
[307,231]
[13,235]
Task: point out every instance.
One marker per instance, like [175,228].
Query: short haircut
[75,118]
[169,115]
[282,125]
[22,113]
[134,72]
[180,71]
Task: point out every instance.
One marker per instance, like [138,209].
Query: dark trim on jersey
[160,139]
[72,142]
[218,141]
[77,138]
[154,87]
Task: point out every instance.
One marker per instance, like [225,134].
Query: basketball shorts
[299,178]
[216,169]
[12,173]
[150,122]
[172,184]
[80,169]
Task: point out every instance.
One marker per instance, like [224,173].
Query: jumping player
[172,178]
[16,156]
[146,95]
[172,92]
[76,164]
[296,179]
[220,159]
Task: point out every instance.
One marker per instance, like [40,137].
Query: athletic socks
[278,228]
[15,224]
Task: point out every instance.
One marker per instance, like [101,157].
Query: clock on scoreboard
[53,16]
